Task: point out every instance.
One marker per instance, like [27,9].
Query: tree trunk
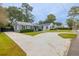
[74,27]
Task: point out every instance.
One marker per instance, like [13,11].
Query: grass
[35,33]
[68,35]
[59,30]
[32,33]
[9,47]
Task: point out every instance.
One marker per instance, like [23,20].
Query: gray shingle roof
[27,23]
[24,23]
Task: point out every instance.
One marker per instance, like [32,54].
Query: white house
[25,25]
[47,26]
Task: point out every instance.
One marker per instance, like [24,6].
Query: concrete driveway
[45,44]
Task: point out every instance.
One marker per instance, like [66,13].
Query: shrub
[26,30]
[39,29]
[63,28]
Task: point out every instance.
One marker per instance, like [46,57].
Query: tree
[41,22]
[73,12]
[77,24]
[58,23]
[20,14]
[70,22]
[14,13]
[3,17]
[27,9]
[50,18]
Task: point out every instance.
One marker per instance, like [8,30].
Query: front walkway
[74,48]
[49,44]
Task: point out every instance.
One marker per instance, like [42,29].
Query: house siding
[24,25]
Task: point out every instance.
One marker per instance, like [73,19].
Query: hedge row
[63,28]
[27,30]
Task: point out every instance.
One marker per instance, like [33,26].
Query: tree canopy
[27,9]
[50,18]
[14,13]
[73,13]
[58,23]
[20,14]
[70,22]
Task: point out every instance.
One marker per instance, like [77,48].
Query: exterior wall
[58,26]
[18,27]
[23,27]
[44,27]
[48,27]
[51,26]
[28,27]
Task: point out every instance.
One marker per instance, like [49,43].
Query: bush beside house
[26,30]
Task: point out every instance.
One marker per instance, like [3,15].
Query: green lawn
[32,33]
[9,47]
[35,33]
[64,35]
[68,35]
[59,31]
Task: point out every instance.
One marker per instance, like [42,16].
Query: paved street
[74,48]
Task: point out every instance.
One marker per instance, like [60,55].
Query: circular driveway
[45,44]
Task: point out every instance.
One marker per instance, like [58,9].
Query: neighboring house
[47,26]
[60,26]
[25,25]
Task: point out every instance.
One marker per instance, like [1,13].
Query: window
[23,27]
[28,27]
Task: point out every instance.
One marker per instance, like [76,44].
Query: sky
[41,10]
